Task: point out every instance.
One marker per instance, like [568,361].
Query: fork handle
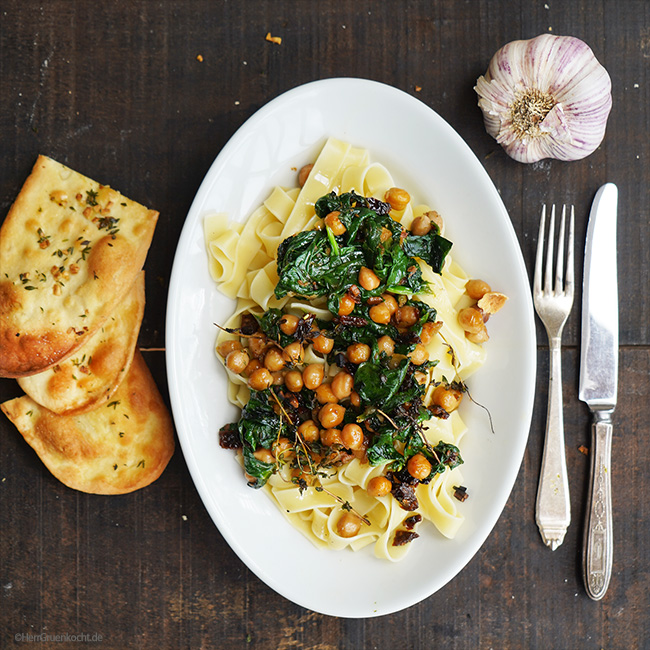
[553,508]
[598,540]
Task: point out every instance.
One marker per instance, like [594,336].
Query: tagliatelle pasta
[243,261]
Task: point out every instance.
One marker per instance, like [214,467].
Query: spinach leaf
[432,248]
[257,468]
[383,450]
[377,384]
[259,424]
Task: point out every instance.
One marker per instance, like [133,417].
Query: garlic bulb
[547,97]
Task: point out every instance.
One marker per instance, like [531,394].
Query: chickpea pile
[473,319]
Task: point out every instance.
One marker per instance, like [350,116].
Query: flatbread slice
[70,248]
[117,448]
[92,374]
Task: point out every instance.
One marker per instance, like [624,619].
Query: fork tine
[559,269]
[537,280]
[569,257]
[548,274]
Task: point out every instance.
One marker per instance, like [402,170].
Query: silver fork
[553,304]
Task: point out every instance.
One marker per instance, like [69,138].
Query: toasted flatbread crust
[92,374]
[116,448]
[70,248]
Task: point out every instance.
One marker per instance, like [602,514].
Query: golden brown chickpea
[257,344]
[478,337]
[358,353]
[329,437]
[352,436]
[293,353]
[380,313]
[289,324]
[293,381]
[302,475]
[283,449]
[390,302]
[278,378]
[303,174]
[237,360]
[429,330]
[312,375]
[355,400]
[348,525]
[260,379]
[368,279]
[407,316]
[324,394]
[379,486]
[386,345]
[476,289]
[446,397]
[264,455]
[323,344]
[421,225]
[331,415]
[418,355]
[397,198]
[471,320]
[226,347]
[385,235]
[309,431]
[418,467]
[333,222]
[274,360]
[253,365]
[342,384]
[346,305]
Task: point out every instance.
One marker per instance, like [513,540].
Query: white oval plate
[426,156]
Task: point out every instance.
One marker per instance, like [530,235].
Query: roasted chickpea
[358,353]
[260,379]
[418,355]
[368,279]
[348,525]
[390,302]
[355,400]
[385,235]
[379,486]
[293,353]
[257,344]
[436,219]
[342,384]
[237,360]
[331,415]
[333,222]
[380,313]
[323,344]
[274,360]
[346,305]
[329,437]
[421,225]
[446,397]
[312,375]
[278,377]
[397,198]
[293,381]
[303,174]
[283,449]
[226,347]
[289,324]
[429,330]
[471,320]
[418,467]
[478,337]
[264,455]
[309,431]
[352,436]
[476,289]
[386,345]
[407,316]
[253,365]
[302,475]
[324,394]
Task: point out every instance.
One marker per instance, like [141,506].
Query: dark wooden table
[117,91]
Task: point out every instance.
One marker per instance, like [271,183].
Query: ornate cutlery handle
[553,509]
[598,540]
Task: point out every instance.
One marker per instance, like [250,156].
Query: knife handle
[598,539]
[553,507]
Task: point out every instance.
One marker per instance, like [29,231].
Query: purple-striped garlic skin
[547,97]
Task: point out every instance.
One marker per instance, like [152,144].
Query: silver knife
[599,382]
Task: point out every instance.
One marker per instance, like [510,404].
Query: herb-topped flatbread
[70,249]
[116,448]
[91,375]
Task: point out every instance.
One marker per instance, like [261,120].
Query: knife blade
[599,382]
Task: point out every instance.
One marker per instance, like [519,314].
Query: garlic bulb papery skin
[547,97]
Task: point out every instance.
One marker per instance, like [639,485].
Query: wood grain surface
[116,90]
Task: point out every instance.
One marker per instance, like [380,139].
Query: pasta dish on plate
[348,351]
